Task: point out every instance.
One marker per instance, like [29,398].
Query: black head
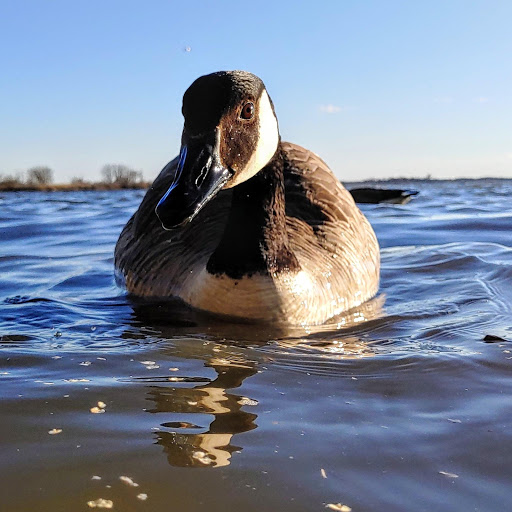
[230,134]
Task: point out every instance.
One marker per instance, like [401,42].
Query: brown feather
[334,244]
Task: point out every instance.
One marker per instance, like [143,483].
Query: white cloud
[330,108]
[481,99]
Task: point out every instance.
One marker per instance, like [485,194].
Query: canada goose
[243,225]
[373,195]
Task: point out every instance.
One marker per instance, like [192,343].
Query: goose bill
[199,177]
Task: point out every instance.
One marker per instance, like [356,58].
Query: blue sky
[377,88]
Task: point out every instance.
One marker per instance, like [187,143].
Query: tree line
[114,176]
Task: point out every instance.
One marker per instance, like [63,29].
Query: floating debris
[247,401]
[128,481]
[57,357]
[77,380]
[100,503]
[54,431]
[96,477]
[85,363]
[191,402]
[452,420]
[449,475]
[101,358]
[142,496]
[99,408]
[338,507]
[173,369]
[150,365]
[323,473]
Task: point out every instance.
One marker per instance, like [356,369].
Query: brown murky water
[398,406]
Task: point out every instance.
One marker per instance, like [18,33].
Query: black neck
[255,239]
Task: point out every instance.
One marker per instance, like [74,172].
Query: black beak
[199,176]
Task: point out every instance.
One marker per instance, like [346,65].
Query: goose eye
[247,111]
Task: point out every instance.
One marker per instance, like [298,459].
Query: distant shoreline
[72,187]
[100,186]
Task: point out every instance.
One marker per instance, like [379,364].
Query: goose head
[230,134]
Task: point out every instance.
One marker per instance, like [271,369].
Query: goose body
[243,225]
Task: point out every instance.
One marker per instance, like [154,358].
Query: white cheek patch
[268,139]
[268,136]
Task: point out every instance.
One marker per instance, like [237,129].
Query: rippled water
[398,406]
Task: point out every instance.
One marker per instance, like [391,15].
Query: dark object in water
[372,195]
[491,338]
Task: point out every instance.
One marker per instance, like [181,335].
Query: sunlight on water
[400,404]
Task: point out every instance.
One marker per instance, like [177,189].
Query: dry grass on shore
[69,187]
[40,179]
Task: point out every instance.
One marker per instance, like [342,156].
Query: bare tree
[11,180]
[39,175]
[121,175]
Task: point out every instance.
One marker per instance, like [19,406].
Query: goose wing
[332,239]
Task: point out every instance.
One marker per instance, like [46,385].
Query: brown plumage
[286,244]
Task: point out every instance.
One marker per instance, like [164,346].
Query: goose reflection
[188,435]
[212,445]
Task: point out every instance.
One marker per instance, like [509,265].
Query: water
[401,405]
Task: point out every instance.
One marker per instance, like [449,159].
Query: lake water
[398,406]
